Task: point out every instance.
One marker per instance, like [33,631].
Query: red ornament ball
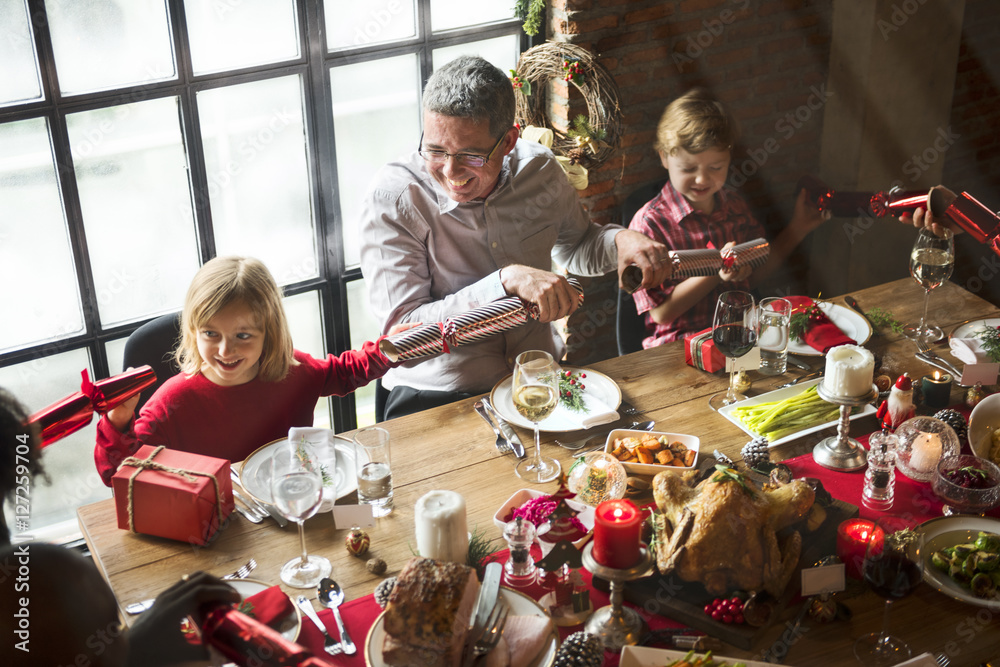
[357,542]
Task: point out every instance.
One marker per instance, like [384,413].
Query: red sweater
[192,414]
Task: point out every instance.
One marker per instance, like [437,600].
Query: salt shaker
[880,477]
[519,570]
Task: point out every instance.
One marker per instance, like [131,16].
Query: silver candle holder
[616,625]
[842,452]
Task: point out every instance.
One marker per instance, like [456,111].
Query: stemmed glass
[535,392]
[931,262]
[893,568]
[297,490]
[734,330]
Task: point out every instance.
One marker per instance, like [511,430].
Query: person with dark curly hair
[21,459]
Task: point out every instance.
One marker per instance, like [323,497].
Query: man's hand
[652,258]
[922,218]
[806,216]
[552,294]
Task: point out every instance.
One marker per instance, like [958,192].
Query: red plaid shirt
[669,219]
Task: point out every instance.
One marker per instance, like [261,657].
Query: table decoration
[957,421]
[936,390]
[700,352]
[811,326]
[357,542]
[617,524]
[616,625]
[852,539]
[580,649]
[898,406]
[923,441]
[442,530]
[841,452]
[880,477]
[597,477]
[433,338]
[849,371]
[966,484]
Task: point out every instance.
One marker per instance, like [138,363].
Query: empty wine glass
[297,490]
[535,392]
[893,568]
[931,262]
[734,330]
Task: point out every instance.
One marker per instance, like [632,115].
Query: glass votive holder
[852,540]
[923,441]
[936,390]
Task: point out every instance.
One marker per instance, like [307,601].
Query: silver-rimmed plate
[968,328]
[562,419]
[852,323]
[947,531]
[256,479]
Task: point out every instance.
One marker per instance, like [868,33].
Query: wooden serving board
[685,602]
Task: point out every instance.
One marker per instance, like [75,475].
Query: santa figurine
[899,406]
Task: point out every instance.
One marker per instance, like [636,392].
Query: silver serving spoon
[331,596]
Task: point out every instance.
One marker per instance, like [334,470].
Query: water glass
[372,465]
[774,316]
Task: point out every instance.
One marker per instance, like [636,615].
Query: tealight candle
[852,540]
[925,452]
[849,371]
[442,532]
[936,390]
[617,526]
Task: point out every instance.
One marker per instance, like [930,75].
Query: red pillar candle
[852,540]
[617,525]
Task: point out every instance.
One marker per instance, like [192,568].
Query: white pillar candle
[442,532]
[925,452]
[849,371]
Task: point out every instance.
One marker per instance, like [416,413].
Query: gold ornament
[741,382]
[974,395]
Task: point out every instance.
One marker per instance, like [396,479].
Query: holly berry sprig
[519,83]
[572,70]
[989,338]
[803,320]
[571,390]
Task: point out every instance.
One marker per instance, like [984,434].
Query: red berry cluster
[572,68]
[574,381]
[515,80]
[815,313]
[726,610]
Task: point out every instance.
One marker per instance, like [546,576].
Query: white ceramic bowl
[690,441]
[983,421]
[586,512]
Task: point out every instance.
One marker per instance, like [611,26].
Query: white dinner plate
[289,626]
[520,605]
[780,395]
[562,419]
[947,531]
[968,329]
[255,476]
[984,420]
[643,656]
[852,323]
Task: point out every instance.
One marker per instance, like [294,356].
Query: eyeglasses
[465,158]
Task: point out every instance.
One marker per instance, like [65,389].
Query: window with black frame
[140,138]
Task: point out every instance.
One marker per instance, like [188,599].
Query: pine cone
[384,590]
[956,421]
[580,650]
[755,452]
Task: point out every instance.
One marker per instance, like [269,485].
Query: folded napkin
[523,639]
[969,351]
[268,606]
[596,412]
[823,334]
[322,443]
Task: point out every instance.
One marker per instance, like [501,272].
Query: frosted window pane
[352,24]
[232,35]
[115,350]
[448,14]
[101,44]
[364,327]
[258,175]
[306,324]
[132,177]
[501,51]
[70,461]
[376,110]
[40,300]
[18,66]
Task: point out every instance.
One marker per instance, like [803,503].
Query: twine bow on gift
[575,173]
[187,475]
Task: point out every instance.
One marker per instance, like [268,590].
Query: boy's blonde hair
[696,122]
[225,281]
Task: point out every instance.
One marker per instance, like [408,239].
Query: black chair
[630,326]
[153,344]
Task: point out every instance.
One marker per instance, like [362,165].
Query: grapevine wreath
[592,139]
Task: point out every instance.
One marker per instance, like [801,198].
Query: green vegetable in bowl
[975,566]
[988,542]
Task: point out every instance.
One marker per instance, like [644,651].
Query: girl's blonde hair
[225,281]
[696,122]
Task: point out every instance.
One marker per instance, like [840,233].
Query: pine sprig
[583,128]
[571,390]
[530,12]
[989,338]
[883,318]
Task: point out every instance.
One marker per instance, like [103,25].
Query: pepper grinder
[880,477]
[519,570]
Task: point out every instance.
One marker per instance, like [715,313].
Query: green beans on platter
[777,419]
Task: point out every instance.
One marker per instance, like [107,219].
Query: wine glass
[297,490]
[734,330]
[535,392]
[931,262]
[893,567]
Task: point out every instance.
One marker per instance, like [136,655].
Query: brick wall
[768,60]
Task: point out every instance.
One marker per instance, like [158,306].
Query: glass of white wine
[535,392]
[297,490]
[931,262]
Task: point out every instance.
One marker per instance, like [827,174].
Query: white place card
[748,362]
[823,579]
[985,374]
[349,516]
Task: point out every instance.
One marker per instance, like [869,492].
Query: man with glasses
[475,214]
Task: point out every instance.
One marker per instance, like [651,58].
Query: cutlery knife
[853,303]
[254,504]
[489,592]
[506,429]
[481,411]
[798,363]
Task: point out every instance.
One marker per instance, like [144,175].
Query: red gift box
[168,493]
[700,352]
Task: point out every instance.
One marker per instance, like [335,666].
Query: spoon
[331,596]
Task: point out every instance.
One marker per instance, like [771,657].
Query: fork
[926,355]
[493,630]
[243,570]
[330,645]
[503,445]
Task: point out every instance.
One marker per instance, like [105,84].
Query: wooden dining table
[451,447]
